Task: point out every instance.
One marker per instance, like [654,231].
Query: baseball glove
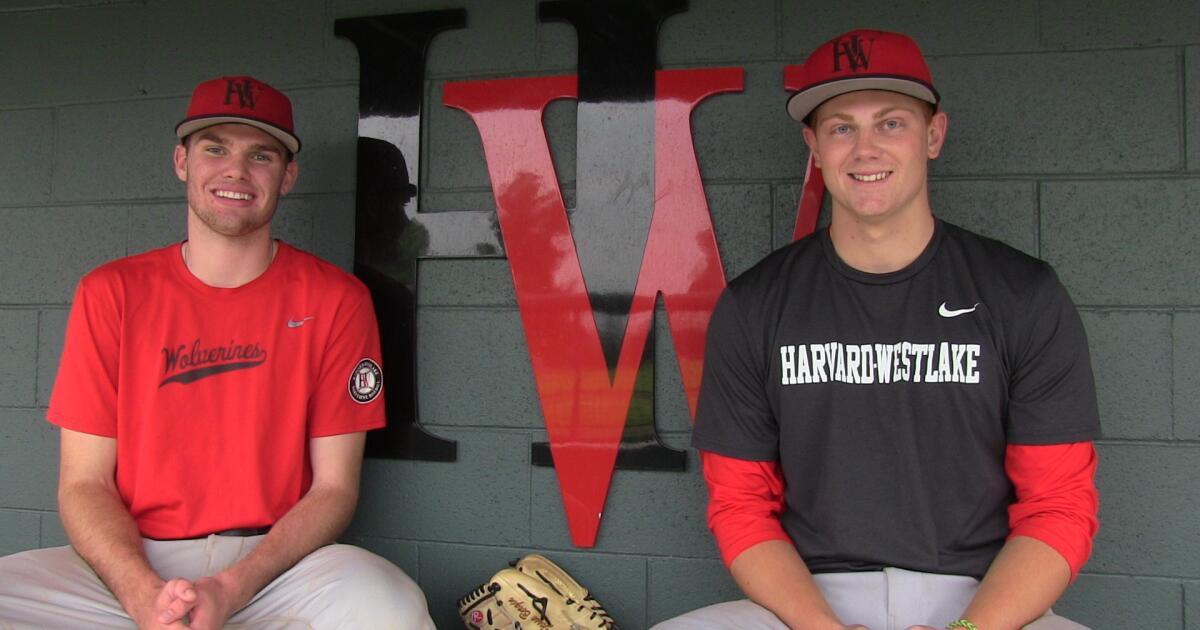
[535,594]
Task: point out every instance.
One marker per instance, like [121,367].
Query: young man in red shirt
[213,397]
[896,416]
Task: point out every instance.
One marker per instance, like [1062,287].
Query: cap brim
[192,125]
[801,104]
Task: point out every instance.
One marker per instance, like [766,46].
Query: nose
[237,167]
[865,144]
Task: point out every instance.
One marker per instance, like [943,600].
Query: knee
[376,591]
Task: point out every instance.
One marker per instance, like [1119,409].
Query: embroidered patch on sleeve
[366,381]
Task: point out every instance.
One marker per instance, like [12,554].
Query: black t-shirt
[889,398]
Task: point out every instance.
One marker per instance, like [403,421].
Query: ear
[937,134]
[289,177]
[180,160]
[810,138]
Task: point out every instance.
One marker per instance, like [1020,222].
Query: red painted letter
[585,408]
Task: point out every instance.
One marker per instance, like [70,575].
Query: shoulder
[777,270]
[755,300]
[136,270]
[983,248]
[321,276]
[996,266]
[1023,293]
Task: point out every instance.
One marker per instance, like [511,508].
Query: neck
[228,263]
[880,247]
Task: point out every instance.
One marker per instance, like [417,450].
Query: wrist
[231,588]
[961,624]
[139,598]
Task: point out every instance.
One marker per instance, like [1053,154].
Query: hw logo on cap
[243,90]
[851,51]
[243,100]
[861,59]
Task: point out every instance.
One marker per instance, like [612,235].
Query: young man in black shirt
[896,416]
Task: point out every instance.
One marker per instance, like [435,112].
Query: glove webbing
[589,603]
[539,603]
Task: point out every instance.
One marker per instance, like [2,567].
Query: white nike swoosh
[292,323]
[945,312]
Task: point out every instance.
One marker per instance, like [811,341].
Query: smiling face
[873,148]
[235,175]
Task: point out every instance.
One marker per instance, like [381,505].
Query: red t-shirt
[212,394]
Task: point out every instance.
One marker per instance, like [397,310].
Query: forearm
[774,576]
[315,521]
[1025,579]
[104,534]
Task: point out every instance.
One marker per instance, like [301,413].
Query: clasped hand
[205,604]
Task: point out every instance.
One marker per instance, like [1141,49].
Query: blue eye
[841,129]
[891,124]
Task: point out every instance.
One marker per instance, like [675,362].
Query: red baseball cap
[244,100]
[862,60]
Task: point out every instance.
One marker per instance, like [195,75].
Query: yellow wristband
[961,623]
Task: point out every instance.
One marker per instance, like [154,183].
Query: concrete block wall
[1074,135]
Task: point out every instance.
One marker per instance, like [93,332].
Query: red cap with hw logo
[862,60]
[243,100]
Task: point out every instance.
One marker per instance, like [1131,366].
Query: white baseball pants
[338,586]
[891,599]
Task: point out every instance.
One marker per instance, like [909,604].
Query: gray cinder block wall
[1074,135]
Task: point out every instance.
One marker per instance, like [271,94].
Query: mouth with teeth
[870,177]
[229,194]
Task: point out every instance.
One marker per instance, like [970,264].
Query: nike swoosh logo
[945,312]
[296,323]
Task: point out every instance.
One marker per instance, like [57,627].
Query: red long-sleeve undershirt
[1055,487]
